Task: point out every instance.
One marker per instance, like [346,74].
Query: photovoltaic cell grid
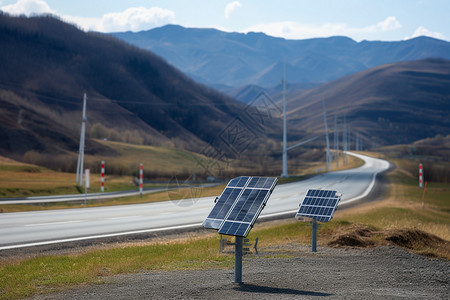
[319,205]
[240,204]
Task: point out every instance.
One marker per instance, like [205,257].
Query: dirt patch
[419,241]
[351,240]
[359,237]
[414,240]
[411,238]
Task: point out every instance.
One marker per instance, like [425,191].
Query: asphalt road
[57,226]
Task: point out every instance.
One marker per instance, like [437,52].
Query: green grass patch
[54,273]
[21,168]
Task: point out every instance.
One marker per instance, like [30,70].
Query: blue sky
[385,20]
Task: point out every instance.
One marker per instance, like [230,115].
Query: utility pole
[336,142]
[344,140]
[326,135]
[356,141]
[285,170]
[80,163]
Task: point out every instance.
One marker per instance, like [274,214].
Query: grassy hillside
[432,153]
[133,95]
[392,104]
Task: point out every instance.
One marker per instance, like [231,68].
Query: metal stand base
[314,236]
[238,260]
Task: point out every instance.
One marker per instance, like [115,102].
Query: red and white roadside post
[102,184]
[141,179]
[420,176]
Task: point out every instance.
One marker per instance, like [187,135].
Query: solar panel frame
[235,228]
[245,208]
[318,205]
[222,207]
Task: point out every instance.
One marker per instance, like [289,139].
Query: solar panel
[319,205]
[240,204]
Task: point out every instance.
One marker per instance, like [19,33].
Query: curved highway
[26,229]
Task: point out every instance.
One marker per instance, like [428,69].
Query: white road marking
[126,217]
[52,223]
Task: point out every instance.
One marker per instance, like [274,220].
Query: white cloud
[231,7]
[28,7]
[131,19]
[422,31]
[134,18]
[295,30]
[390,23]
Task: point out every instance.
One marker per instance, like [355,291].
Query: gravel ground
[289,272]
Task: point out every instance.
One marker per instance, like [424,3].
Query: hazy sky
[385,20]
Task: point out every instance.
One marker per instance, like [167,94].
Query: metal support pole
[314,236]
[336,142]
[85,195]
[80,163]
[238,259]
[326,136]
[344,141]
[284,157]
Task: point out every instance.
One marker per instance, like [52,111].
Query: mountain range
[136,96]
[397,103]
[222,59]
[133,94]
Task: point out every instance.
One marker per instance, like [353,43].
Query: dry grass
[20,279]
[402,208]
[156,160]
[29,180]
[24,180]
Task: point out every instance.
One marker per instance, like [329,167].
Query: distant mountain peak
[235,59]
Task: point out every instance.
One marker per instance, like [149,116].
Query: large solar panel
[319,205]
[240,204]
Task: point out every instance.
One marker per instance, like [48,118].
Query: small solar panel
[319,205]
[222,207]
[240,204]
